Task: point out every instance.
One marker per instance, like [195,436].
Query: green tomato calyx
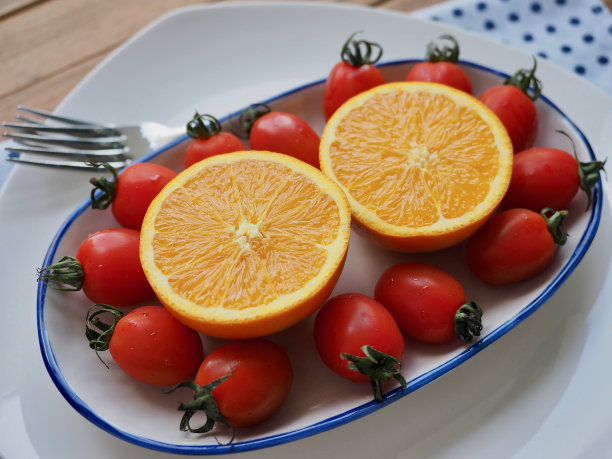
[99,332]
[526,81]
[203,126]
[468,321]
[360,52]
[554,222]
[107,187]
[445,54]
[377,366]
[247,118]
[588,172]
[203,400]
[66,274]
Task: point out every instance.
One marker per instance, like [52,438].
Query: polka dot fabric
[574,34]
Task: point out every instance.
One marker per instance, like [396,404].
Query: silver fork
[51,140]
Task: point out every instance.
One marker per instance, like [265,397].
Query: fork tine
[89,130]
[27,120]
[51,116]
[86,143]
[79,155]
[61,163]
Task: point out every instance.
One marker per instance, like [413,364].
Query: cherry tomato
[349,322]
[111,268]
[131,192]
[148,343]
[249,380]
[549,177]
[107,268]
[209,140]
[441,67]
[542,177]
[515,244]
[355,73]
[428,303]
[513,104]
[281,132]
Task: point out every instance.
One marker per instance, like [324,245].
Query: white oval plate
[319,399]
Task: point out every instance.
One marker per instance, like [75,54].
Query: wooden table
[48,46]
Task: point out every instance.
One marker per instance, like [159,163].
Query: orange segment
[245,244]
[422,164]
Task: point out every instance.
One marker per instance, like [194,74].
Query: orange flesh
[424,160]
[233,238]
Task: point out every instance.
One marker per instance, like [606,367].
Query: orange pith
[422,164]
[245,244]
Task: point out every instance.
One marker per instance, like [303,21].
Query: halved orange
[423,164]
[245,244]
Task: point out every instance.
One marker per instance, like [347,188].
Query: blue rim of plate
[359,411]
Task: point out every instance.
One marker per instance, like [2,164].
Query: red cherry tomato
[249,380]
[131,192]
[107,268]
[355,73]
[515,108]
[149,344]
[112,273]
[223,142]
[208,139]
[542,177]
[347,323]
[260,381]
[441,67]
[517,113]
[425,300]
[515,244]
[281,132]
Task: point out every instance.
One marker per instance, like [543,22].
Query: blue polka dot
[574,21]
[535,7]
[542,54]
[610,29]
[560,2]
[528,37]
[603,60]
[566,49]
[457,12]
[481,6]
[551,28]
[588,38]
[513,17]
[597,9]
[580,69]
[489,25]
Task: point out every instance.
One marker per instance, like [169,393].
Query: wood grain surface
[48,46]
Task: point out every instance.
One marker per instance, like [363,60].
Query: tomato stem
[67,274]
[108,188]
[247,118]
[99,332]
[203,400]
[203,126]
[523,79]
[589,176]
[376,366]
[468,321]
[554,221]
[445,54]
[588,171]
[360,52]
